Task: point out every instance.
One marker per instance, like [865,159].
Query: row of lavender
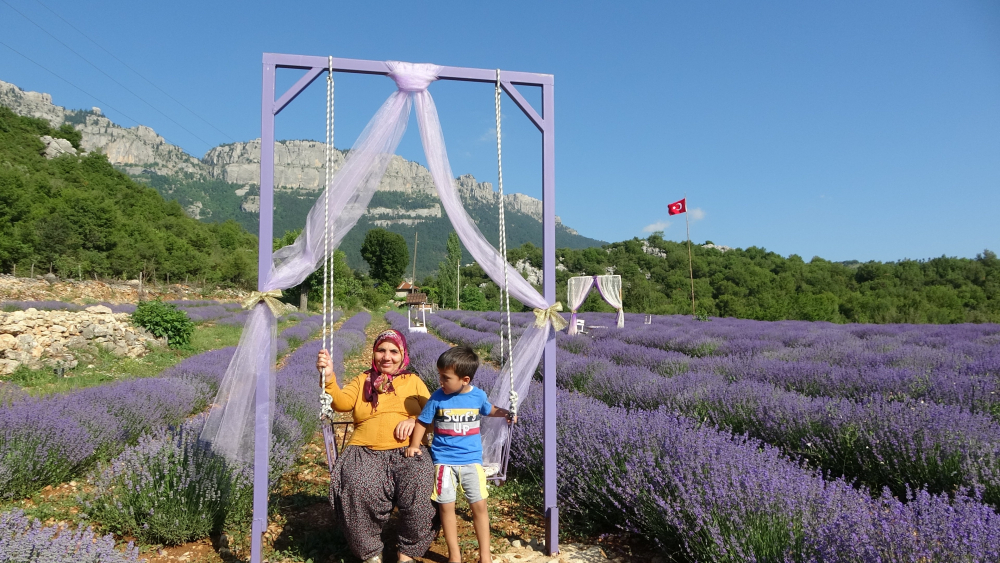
[44,441]
[880,439]
[169,487]
[949,364]
[723,496]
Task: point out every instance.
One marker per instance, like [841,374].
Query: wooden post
[458,284]
[690,266]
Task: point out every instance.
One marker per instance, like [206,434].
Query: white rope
[505,292]
[326,401]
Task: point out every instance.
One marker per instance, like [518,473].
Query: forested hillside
[753,283]
[218,202]
[78,216]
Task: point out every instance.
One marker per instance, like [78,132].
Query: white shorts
[447,478]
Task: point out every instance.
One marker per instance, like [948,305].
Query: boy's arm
[499,412]
[419,429]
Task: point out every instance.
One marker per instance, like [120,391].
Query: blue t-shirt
[456,425]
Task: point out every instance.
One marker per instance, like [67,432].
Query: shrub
[164,320]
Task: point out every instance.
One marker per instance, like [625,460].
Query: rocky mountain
[132,149]
[224,184]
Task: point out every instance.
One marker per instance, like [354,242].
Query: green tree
[447,272]
[473,299]
[386,255]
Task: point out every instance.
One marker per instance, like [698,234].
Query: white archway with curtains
[610,288]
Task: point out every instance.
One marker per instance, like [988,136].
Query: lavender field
[736,440]
[136,442]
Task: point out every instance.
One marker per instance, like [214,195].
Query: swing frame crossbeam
[544,121]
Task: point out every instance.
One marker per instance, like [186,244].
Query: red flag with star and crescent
[678,207]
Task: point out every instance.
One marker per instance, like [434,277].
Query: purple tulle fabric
[230,426]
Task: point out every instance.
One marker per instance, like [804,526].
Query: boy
[455,410]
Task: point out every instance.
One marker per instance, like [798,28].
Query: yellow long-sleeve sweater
[375,429]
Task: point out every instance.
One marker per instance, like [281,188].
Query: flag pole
[687,221]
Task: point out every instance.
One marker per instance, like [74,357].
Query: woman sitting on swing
[373,471]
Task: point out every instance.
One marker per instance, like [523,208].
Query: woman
[373,471]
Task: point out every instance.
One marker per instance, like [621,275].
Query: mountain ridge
[299,164]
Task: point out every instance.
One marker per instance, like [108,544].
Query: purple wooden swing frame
[544,121]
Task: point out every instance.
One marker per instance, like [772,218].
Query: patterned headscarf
[378,382]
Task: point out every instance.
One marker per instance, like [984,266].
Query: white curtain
[231,426]
[576,291]
[611,290]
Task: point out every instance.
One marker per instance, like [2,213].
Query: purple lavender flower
[25,539]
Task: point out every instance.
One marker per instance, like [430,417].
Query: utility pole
[690,266]
[416,238]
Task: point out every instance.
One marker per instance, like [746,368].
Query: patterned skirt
[364,487]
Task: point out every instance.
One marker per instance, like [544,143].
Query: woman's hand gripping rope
[325,368]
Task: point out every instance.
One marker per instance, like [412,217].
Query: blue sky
[847,130]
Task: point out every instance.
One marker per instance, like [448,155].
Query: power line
[40,65]
[126,88]
[207,122]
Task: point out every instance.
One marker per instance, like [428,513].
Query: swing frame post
[544,121]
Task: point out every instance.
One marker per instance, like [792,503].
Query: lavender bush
[169,488]
[24,540]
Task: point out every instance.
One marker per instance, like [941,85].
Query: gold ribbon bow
[270,298]
[551,314]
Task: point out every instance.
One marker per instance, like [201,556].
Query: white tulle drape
[576,292]
[611,290]
[230,427]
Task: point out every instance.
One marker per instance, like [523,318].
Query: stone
[56,147]
[88,332]
[516,544]
[7,342]
[57,328]
[98,309]
[120,351]
[8,367]
[589,555]
[50,277]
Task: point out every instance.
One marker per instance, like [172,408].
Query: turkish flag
[678,207]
